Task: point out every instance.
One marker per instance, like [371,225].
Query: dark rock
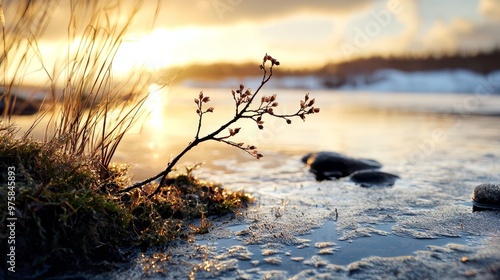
[19,106]
[373,178]
[486,197]
[330,165]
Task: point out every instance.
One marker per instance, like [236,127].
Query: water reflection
[156,101]
[399,136]
[397,131]
[155,120]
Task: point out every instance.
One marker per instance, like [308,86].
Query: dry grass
[89,111]
[94,113]
[25,23]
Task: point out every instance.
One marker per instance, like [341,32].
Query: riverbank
[64,215]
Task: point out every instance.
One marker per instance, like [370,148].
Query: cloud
[441,38]
[174,14]
[410,19]
[304,31]
[461,35]
[389,24]
[483,36]
[490,9]
[84,12]
[220,12]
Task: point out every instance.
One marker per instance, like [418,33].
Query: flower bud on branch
[243,100]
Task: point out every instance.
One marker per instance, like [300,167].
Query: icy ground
[421,228]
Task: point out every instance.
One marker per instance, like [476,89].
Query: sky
[301,34]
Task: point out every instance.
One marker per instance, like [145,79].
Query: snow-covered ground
[443,81]
[385,80]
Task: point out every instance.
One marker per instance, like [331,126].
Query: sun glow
[152,52]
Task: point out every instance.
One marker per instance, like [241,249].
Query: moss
[68,215]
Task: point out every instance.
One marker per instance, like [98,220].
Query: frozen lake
[441,145]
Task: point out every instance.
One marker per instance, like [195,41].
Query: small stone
[486,197]
[373,178]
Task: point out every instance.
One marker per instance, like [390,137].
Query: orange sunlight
[167,47]
[154,105]
[150,51]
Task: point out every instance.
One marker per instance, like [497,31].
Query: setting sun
[152,51]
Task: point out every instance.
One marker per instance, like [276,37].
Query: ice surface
[383,80]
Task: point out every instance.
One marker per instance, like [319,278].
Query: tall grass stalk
[94,114]
[22,24]
[90,111]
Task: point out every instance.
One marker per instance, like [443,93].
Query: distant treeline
[483,63]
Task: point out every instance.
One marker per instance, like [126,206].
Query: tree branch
[240,96]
